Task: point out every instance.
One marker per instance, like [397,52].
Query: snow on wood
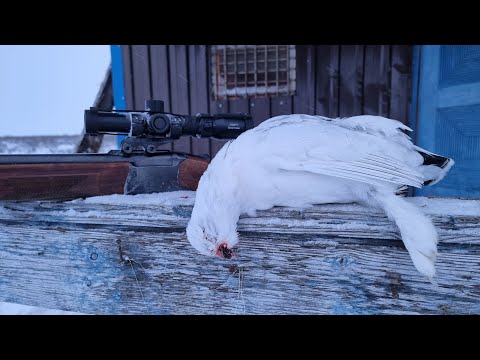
[130,255]
[18,309]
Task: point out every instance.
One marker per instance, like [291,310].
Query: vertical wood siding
[332,80]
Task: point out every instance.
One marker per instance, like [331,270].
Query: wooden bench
[329,259]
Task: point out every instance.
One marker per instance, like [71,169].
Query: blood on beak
[224,251]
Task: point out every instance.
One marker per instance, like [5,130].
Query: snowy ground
[49,144]
[43,145]
[17,309]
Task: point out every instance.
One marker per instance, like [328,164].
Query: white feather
[301,160]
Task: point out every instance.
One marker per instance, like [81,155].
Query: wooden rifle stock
[66,181]
[190,172]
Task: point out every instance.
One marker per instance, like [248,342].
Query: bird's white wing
[362,151]
[374,125]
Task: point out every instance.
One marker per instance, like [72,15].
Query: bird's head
[208,241]
[212,228]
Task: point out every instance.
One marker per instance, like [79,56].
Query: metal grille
[252,70]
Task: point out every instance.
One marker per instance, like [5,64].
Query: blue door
[448,115]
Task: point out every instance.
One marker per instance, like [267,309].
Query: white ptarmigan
[301,160]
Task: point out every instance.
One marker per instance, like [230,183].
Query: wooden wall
[332,80]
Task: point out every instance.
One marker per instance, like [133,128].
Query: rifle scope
[154,122]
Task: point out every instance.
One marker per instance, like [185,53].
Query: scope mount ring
[143,146]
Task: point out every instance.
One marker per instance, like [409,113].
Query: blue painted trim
[415,91]
[428,97]
[428,106]
[118,81]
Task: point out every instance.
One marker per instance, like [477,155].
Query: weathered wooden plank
[218,106]
[179,83]
[377,82]
[128,76]
[304,99]
[160,79]
[386,71]
[342,220]
[141,75]
[198,88]
[179,79]
[327,75]
[238,105]
[351,80]
[400,79]
[159,63]
[260,109]
[281,105]
[330,259]
[198,83]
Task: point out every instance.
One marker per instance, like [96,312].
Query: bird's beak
[224,251]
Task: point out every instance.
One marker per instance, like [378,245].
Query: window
[252,70]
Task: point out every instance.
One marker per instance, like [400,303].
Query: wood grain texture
[159,60]
[377,81]
[304,100]
[281,105]
[141,75]
[161,90]
[400,83]
[351,80]
[61,181]
[327,76]
[259,109]
[330,259]
[179,82]
[239,105]
[198,87]
[190,171]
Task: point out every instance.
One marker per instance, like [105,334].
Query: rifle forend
[71,176]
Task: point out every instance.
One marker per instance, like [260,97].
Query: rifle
[140,166]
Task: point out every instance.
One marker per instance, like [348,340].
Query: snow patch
[39,144]
[173,198]
[70,212]
[17,309]
[447,206]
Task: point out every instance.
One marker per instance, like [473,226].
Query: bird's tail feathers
[417,231]
[434,167]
